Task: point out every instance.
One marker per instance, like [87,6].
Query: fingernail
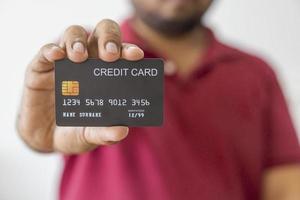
[170,68]
[111,47]
[131,47]
[78,47]
[55,48]
[52,51]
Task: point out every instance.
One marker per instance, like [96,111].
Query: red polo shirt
[222,128]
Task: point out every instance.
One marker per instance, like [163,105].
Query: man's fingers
[43,61]
[39,75]
[132,52]
[72,140]
[75,42]
[105,42]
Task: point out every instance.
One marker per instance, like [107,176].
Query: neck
[184,50]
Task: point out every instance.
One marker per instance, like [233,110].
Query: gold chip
[70,88]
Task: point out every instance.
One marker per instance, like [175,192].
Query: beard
[170,27]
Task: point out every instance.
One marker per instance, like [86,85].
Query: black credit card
[98,93]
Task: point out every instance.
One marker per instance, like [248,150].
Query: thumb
[74,140]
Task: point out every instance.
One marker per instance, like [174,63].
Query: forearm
[282,183]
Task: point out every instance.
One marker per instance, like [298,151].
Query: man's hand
[36,119]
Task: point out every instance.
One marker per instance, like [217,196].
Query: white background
[270,28]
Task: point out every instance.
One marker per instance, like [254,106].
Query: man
[227,132]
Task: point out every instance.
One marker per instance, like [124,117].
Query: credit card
[99,93]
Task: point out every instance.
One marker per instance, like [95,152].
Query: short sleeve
[281,138]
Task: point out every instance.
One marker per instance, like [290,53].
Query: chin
[179,13]
[172,26]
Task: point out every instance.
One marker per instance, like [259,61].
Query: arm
[282,183]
